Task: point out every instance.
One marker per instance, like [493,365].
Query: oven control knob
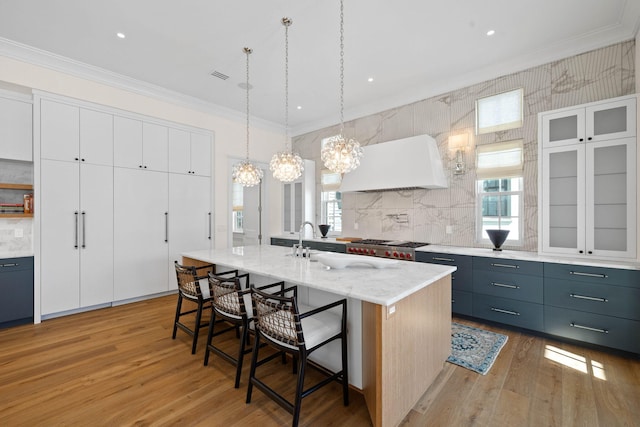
[360,250]
[401,254]
[373,251]
[395,254]
[350,250]
[387,253]
[366,251]
[408,256]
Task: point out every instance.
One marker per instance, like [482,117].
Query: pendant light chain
[247,51]
[341,67]
[286,22]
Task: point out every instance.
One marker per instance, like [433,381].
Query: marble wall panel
[9,243]
[588,77]
[628,67]
[397,123]
[397,224]
[600,74]
[432,117]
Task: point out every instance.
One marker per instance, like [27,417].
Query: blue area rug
[474,348]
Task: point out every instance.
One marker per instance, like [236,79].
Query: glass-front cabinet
[588,191]
[593,122]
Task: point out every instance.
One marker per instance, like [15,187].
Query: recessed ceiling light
[491,32]
[370,79]
[299,107]
[120,35]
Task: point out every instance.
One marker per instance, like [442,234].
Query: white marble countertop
[383,286]
[15,254]
[529,256]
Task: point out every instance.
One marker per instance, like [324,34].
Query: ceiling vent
[219,75]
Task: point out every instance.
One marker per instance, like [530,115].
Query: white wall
[230,135]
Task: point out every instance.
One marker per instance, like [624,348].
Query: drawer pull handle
[499,310]
[588,298]
[12,264]
[453,301]
[504,285]
[602,331]
[436,258]
[495,264]
[579,273]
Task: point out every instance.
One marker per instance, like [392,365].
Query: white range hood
[407,163]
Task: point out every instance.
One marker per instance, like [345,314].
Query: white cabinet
[298,199]
[140,145]
[593,122]
[189,153]
[76,249]
[190,219]
[140,233]
[71,133]
[588,187]
[16,128]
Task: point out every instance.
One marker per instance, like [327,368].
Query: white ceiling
[412,48]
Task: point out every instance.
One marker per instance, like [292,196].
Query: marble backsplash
[425,215]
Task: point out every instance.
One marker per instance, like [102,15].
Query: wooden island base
[404,351]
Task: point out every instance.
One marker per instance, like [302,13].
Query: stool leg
[254,361]
[175,321]
[196,330]
[243,341]
[212,323]
[299,388]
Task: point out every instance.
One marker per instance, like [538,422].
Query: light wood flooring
[119,366]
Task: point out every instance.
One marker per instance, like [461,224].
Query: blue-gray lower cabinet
[461,279]
[509,311]
[16,291]
[318,246]
[593,304]
[609,331]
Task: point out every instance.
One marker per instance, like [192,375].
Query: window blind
[499,160]
[330,181]
[499,112]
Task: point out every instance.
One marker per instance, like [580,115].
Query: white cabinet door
[189,217]
[127,142]
[563,199]
[155,147]
[200,154]
[611,198]
[179,151]
[563,128]
[16,129]
[96,234]
[611,120]
[140,233]
[96,137]
[59,131]
[59,236]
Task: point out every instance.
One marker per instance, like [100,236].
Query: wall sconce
[458,143]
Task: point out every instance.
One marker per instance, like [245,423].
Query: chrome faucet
[313,229]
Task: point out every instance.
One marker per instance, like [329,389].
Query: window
[237,203]
[331,199]
[499,112]
[500,190]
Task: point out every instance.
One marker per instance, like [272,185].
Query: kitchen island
[399,318]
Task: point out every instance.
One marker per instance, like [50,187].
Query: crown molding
[42,58]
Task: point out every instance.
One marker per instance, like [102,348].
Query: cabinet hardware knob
[589,139]
[139,166]
[145,166]
[76,159]
[581,139]
[581,251]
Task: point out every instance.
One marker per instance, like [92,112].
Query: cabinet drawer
[583,273]
[594,328]
[608,300]
[508,265]
[507,285]
[281,242]
[16,264]
[327,247]
[518,313]
[462,302]
[461,279]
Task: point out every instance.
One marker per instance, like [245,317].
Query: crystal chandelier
[245,172]
[286,165]
[340,154]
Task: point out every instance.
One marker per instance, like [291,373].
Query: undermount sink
[338,261]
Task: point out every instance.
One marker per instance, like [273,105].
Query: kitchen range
[395,249]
